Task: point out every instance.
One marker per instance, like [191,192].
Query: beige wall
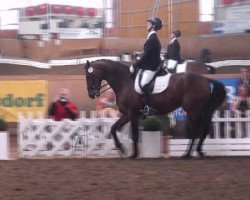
[11,47]
[181,15]
[222,47]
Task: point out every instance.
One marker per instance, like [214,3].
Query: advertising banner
[231,17]
[22,96]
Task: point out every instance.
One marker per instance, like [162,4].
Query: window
[206,10]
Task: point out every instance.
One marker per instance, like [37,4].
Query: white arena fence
[230,136]
[86,137]
[54,63]
[89,137]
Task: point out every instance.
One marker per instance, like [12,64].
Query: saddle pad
[161,83]
[181,68]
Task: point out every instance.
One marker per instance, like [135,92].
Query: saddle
[158,84]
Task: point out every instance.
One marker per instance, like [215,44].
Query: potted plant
[3,125]
[151,138]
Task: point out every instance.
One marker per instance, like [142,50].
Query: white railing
[84,137]
[89,137]
[230,136]
[228,124]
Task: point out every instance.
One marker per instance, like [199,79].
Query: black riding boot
[148,109]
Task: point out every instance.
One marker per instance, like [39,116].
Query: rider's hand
[131,69]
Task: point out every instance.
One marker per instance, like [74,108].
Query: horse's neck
[116,79]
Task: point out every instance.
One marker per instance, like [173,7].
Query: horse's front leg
[135,136]
[116,126]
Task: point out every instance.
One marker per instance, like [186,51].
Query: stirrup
[147,111]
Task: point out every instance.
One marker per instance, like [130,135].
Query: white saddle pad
[182,68]
[161,83]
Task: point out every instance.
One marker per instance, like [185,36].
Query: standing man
[61,107]
[173,51]
[149,63]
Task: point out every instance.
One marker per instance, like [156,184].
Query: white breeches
[147,76]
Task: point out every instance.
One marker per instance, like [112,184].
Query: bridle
[104,89]
[98,89]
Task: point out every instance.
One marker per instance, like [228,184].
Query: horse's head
[94,79]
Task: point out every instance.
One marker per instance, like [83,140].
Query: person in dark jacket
[173,51]
[149,62]
[61,107]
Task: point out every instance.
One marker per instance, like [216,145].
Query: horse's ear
[87,65]
[88,68]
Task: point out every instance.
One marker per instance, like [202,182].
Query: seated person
[244,78]
[242,101]
[242,104]
[108,105]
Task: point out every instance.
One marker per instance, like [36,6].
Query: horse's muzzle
[94,94]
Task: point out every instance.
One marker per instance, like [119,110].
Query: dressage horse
[197,95]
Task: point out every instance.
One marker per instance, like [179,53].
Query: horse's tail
[217,97]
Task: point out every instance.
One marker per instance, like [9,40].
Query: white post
[227,125]
[4,145]
[216,125]
[248,124]
[238,126]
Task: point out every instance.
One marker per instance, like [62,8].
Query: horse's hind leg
[187,155]
[116,126]
[206,124]
[199,147]
[193,128]
[191,142]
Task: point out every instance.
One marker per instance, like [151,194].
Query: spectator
[205,56]
[242,101]
[108,104]
[61,107]
[245,78]
[242,104]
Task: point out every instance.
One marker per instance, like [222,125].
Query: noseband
[97,88]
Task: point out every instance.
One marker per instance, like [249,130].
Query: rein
[103,87]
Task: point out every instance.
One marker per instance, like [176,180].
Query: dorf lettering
[11,101]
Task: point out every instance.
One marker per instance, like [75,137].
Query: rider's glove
[131,69]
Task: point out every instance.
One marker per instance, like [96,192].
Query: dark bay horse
[197,95]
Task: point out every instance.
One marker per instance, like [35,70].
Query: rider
[173,51]
[149,62]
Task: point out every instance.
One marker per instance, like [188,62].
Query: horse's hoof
[122,152]
[186,156]
[201,155]
[133,157]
